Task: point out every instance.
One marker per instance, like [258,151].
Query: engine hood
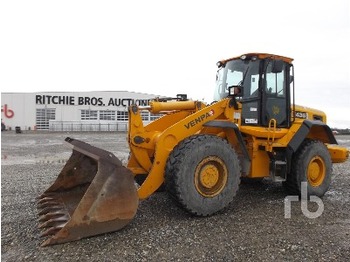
[303,112]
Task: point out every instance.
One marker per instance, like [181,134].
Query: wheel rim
[316,171]
[210,176]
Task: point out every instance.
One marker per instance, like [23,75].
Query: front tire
[203,174]
[312,164]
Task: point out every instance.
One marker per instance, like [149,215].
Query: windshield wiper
[244,75]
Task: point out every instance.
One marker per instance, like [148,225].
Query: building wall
[69,109]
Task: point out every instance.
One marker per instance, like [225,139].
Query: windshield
[240,72]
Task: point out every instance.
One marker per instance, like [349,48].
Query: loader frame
[199,152]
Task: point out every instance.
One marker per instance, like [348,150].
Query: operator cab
[262,84]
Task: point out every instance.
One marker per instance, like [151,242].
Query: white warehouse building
[71,111]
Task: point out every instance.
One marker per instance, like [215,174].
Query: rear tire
[312,164]
[203,174]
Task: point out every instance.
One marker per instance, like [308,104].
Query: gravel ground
[252,228]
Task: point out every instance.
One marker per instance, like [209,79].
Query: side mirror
[277,66]
[235,91]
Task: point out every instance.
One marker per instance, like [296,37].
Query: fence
[89,127]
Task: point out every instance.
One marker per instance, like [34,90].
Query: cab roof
[260,56]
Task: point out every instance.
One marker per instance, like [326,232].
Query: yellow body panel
[338,154]
[260,163]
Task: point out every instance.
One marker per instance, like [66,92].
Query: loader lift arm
[151,145]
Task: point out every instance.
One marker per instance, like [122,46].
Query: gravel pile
[252,228]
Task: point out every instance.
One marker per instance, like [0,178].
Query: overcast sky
[171,47]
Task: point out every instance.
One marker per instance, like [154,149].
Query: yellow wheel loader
[199,152]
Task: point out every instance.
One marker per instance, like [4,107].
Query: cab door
[251,99]
[276,94]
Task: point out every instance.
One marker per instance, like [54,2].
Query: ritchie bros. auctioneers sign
[88,101]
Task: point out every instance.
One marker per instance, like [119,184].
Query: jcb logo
[275,110]
[7,111]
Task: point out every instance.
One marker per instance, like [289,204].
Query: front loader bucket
[93,194]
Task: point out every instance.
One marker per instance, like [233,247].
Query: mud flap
[93,194]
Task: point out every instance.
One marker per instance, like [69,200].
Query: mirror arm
[233,102]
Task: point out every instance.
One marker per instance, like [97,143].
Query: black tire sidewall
[311,150]
[200,148]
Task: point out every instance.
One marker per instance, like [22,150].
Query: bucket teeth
[45,199]
[52,215]
[52,230]
[49,209]
[48,204]
[54,221]
[44,195]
